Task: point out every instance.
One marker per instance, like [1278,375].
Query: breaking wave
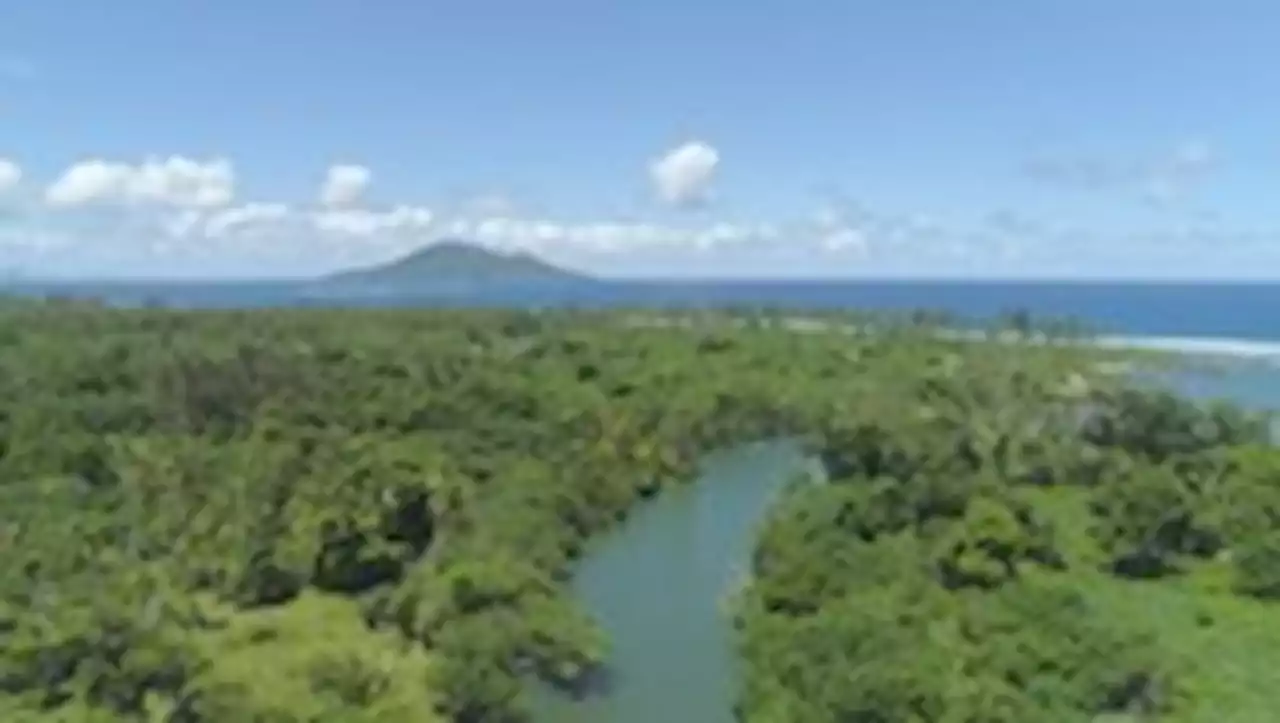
[1267,351]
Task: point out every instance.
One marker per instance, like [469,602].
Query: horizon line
[171,280]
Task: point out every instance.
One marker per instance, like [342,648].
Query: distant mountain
[452,262]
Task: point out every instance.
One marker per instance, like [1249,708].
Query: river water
[657,586]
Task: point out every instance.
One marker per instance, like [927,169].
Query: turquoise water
[1249,384]
[658,586]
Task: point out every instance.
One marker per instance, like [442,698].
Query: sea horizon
[19,281]
[1201,316]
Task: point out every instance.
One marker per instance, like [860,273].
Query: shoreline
[1224,349]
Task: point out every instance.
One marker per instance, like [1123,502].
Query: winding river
[657,587]
[657,584]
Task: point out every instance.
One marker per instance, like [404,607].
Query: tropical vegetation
[348,516]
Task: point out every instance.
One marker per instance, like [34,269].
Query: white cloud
[175,181]
[605,237]
[845,239]
[251,218]
[344,185]
[10,175]
[838,228]
[683,176]
[181,225]
[366,223]
[181,211]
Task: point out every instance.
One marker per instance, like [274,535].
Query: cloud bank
[188,212]
[175,181]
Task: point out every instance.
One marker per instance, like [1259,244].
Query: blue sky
[756,138]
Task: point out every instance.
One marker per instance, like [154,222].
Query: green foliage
[931,581]
[1150,516]
[992,542]
[1158,425]
[355,516]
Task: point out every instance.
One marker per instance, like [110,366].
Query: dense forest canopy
[357,516]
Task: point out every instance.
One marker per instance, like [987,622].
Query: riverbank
[655,586]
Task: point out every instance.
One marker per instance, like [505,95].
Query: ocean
[1236,311]
[1235,320]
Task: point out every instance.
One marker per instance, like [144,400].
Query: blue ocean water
[1235,311]
[1224,319]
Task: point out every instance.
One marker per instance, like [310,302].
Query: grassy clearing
[1228,645]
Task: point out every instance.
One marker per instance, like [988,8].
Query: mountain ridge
[453,261]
